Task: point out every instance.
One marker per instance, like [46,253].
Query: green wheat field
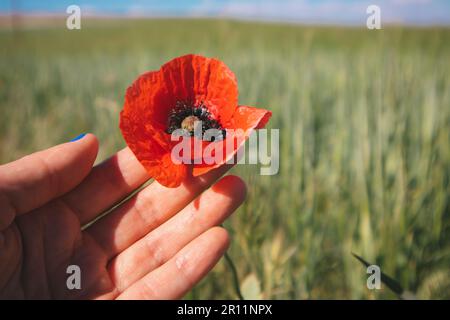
[364,119]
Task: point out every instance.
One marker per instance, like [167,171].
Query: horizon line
[94,15]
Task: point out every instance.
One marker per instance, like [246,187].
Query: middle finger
[146,210]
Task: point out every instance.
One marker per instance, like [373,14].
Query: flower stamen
[189,123]
[187,116]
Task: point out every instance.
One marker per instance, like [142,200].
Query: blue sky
[419,12]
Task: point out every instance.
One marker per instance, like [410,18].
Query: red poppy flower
[186,89]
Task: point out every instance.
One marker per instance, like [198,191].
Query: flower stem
[235,276]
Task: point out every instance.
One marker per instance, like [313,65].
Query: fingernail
[78,137]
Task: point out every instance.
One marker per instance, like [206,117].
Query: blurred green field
[365,140]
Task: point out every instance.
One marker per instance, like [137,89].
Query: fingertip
[86,142]
[92,141]
[86,149]
[222,236]
[232,186]
[74,160]
[85,138]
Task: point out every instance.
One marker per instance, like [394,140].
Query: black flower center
[187,116]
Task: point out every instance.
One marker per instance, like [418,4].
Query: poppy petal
[145,100]
[152,148]
[245,119]
[200,80]
[249,118]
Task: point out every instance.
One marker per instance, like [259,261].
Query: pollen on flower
[185,115]
[189,123]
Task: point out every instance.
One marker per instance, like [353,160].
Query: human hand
[156,245]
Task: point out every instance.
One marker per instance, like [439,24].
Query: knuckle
[155,252]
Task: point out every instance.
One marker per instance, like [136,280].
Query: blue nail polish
[78,137]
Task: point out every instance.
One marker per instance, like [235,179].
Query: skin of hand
[156,245]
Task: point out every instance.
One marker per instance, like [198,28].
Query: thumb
[33,180]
